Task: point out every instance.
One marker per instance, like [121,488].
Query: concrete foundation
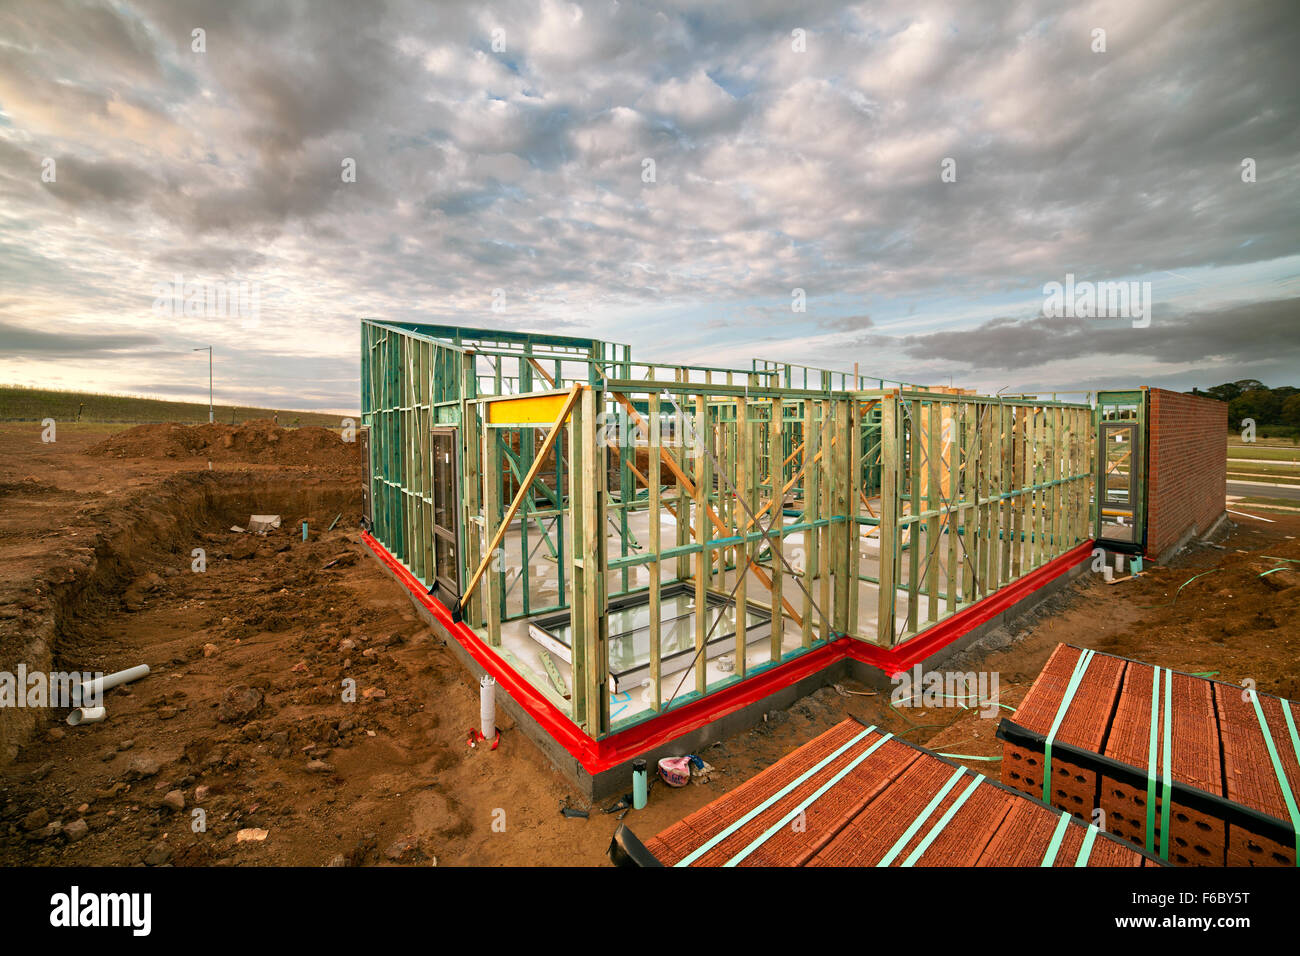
[617,780]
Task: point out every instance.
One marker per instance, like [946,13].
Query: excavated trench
[64,615]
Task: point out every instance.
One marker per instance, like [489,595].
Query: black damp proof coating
[1212,804]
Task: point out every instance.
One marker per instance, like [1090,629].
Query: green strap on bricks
[1085,851]
[788,788]
[1165,767]
[910,832]
[1058,835]
[1151,763]
[943,822]
[774,828]
[1166,800]
[1282,780]
[1081,665]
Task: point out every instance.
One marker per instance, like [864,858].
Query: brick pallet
[1127,737]
[855,796]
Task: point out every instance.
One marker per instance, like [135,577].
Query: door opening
[446,513]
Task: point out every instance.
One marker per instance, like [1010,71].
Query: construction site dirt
[297,702]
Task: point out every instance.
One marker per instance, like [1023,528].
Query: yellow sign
[527,410]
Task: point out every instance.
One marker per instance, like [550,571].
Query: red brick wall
[1187,466]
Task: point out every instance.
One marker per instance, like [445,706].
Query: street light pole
[208,349]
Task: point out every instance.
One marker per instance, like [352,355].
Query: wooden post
[656,636]
[934,421]
[952,516]
[811,512]
[743,550]
[828,503]
[703,533]
[775,448]
[589,575]
[491,510]
[472,519]
[970,521]
[576,585]
[889,537]
[855,500]
[914,455]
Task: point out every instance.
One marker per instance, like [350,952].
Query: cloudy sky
[920,170]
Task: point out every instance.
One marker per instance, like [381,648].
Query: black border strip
[1253,820]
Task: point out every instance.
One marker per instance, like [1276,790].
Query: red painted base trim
[898,659]
[597,756]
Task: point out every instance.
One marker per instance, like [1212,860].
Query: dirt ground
[244,715]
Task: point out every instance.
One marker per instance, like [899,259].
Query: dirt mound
[1242,609]
[257,442]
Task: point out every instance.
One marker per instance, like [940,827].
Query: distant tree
[1250,398]
[1291,410]
[1257,403]
[1230,390]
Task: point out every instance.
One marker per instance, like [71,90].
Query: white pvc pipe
[86,715]
[94,689]
[487,707]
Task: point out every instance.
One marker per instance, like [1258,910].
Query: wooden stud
[743,550]
[952,516]
[811,512]
[775,446]
[495,556]
[703,559]
[934,429]
[889,465]
[653,542]
[856,494]
[827,504]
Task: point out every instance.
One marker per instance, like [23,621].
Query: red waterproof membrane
[597,756]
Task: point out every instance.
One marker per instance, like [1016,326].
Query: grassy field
[1276,461]
[1269,449]
[1271,504]
[34,404]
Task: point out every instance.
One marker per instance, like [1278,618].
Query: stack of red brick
[1227,803]
[857,797]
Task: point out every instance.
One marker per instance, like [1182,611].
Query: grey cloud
[1246,333]
[846,323]
[80,182]
[16,340]
[522,170]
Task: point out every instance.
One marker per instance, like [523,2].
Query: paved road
[1291,492]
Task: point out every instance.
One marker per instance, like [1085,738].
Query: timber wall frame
[856,509]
